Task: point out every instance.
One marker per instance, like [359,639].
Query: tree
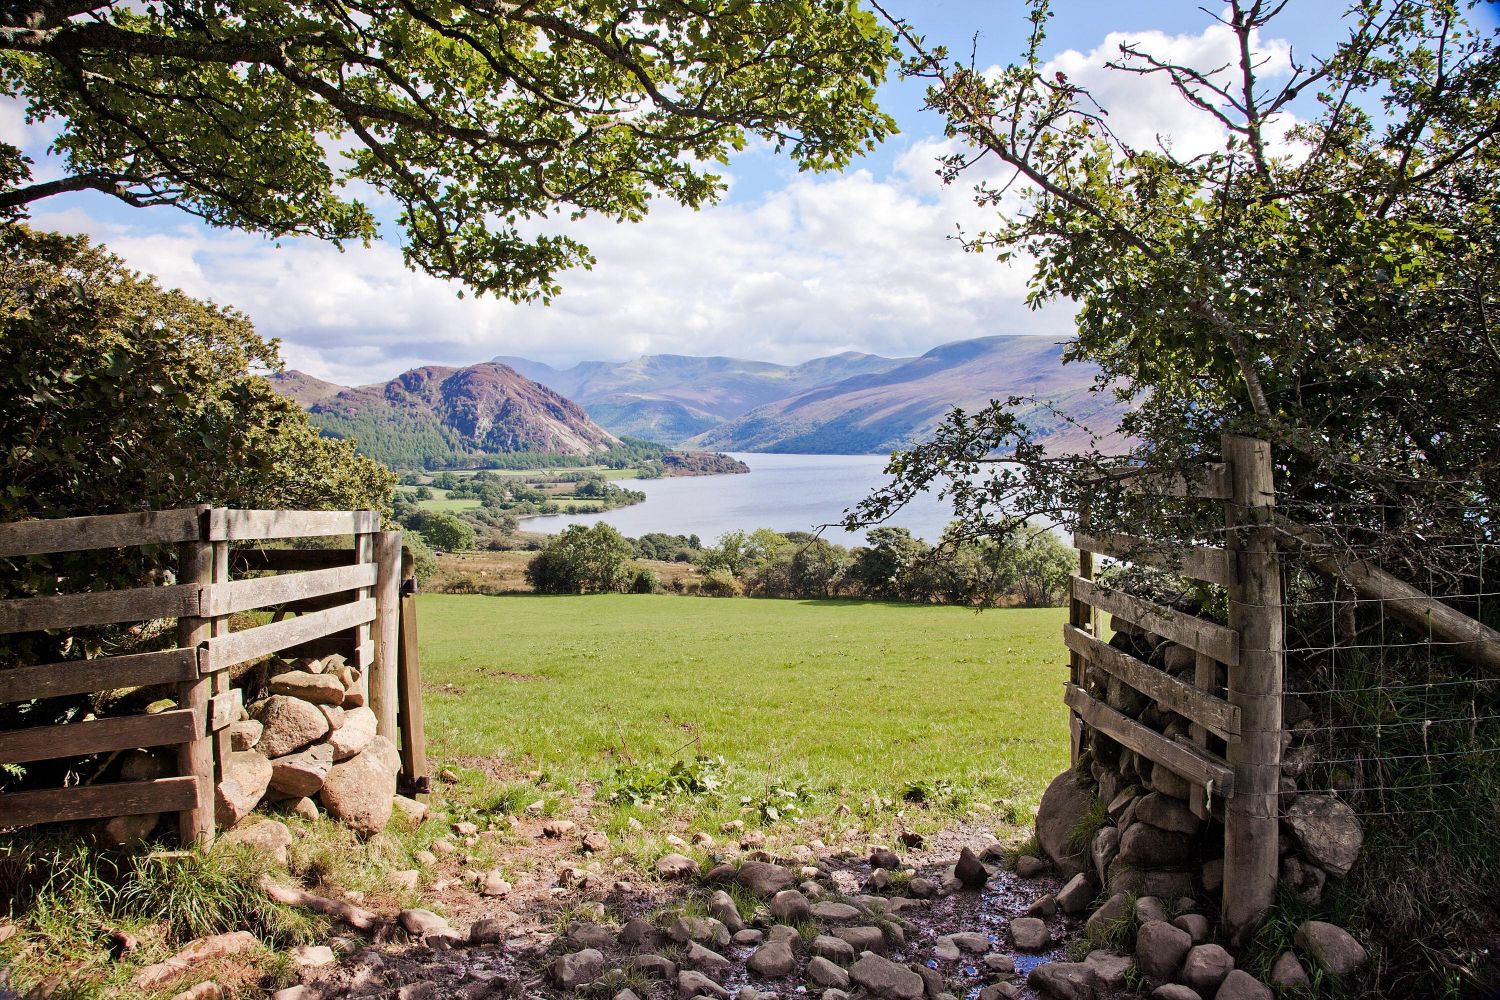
[882,569]
[446,532]
[478,119]
[582,560]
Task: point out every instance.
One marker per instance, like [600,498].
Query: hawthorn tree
[480,119]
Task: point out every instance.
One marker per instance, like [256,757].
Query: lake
[781,492]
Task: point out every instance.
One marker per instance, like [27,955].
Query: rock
[707,961]
[884,857]
[763,878]
[488,931]
[569,972]
[1205,967]
[944,950]
[1174,991]
[1064,980]
[313,956]
[1030,867]
[420,923]
[789,906]
[883,978]
[583,935]
[1167,814]
[723,909]
[301,774]
[1044,906]
[700,929]
[1196,924]
[1240,985]
[334,714]
[676,866]
[835,913]
[1004,965]
[970,871]
[358,792]
[781,932]
[1288,975]
[129,831]
[1147,846]
[1105,848]
[823,972]
[1169,783]
[246,776]
[354,735]
[1064,805]
[1029,934]
[243,735]
[595,842]
[971,942]
[639,933]
[696,984]
[1000,991]
[748,938]
[1332,947]
[194,953]
[556,829]
[1076,895]
[1149,908]
[932,980]
[833,948]
[290,724]
[1160,949]
[320,689]
[1161,883]
[266,837]
[1111,969]
[654,966]
[862,938]
[493,884]
[207,990]
[773,960]
[384,751]
[1102,920]
[414,811]
[1329,831]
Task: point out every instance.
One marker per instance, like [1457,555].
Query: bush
[720,583]
[447,532]
[582,560]
[644,581]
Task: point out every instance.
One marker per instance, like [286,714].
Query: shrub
[644,581]
[582,560]
[720,583]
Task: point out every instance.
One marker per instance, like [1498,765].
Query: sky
[788,266]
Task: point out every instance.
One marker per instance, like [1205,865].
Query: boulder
[1329,831]
[707,961]
[883,978]
[833,948]
[1111,969]
[723,909]
[354,735]
[676,866]
[1174,991]
[1102,920]
[358,793]
[1149,908]
[129,831]
[246,776]
[696,984]
[1288,975]
[654,966]
[862,938]
[835,913]
[1205,967]
[763,878]
[1147,846]
[789,906]
[1030,867]
[1331,947]
[884,857]
[970,871]
[266,837]
[582,935]
[320,689]
[637,932]
[1240,985]
[826,974]
[1167,814]
[194,953]
[569,972]
[1160,949]
[1076,895]
[1064,805]
[243,735]
[334,714]
[301,774]
[1106,848]
[1303,880]
[1162,883]
[1064,980]
[384,751]
[773,960]
[1030,934]
[1196,924]
[700,929]
[1169,783]
[289,725]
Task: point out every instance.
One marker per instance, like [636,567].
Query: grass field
[855,708]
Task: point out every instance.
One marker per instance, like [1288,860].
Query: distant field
[450,505]
[848,700]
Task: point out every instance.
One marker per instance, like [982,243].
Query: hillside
[671,397]
[879,411]
[436,417]
[302,387]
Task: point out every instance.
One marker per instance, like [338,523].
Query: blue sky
[789,266]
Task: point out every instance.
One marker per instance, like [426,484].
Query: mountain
[897,407]
[672,397]
[436,417]
[302,387]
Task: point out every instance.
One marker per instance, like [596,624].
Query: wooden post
[364,552]
[195,758]
[384,671]
[413,738]
[219,679]
[1251,848]
[1080,615]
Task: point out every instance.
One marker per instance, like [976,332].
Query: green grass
[451,506]
[853,701]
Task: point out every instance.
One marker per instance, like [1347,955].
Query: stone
[932,980]
[246,776]
[1104,850]
[1161,883]
[700,929]
[773,960]
[583,935]
[594,842]
[1000,991]
[1004,965]
[419,922]
[638,932]
[825,973]
[243,735]
[1063,807]
[194,953]
[654,966]
[1329,831]
[970,871]
[833,948]
[862,938]
[1147,846]
[1205,967]
[1111,969]
[696,984]
[676,866]
[1240,985]
[301,774]
[721,907]
[493,884]
[1174,991]
[1030,867]
[334,714]
[1044,906]
[883,978]
[1030,934]
[385,752]
[556,829]
[884,857]
[1167,813]
[748,938]
[1332,947]
[129,831]
[358,793]
[569,972]
[835,913]
[1169,783]
[414,811]
[944,950]
[313,956]
[781,932]
[763,878]
[789,906]
[1196,924]
[289,725]
[706,960]
[320,689]
[1076,895]
[354,735]
[1288,975]
[206,990]
[1160,949]
[1064,980]
[265,837]
[971,942]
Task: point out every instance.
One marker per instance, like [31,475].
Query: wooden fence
[1233,755]
[348,601]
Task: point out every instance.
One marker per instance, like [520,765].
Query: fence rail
[332,593]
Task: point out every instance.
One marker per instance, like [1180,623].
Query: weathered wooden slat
[1197,766]
[241,595]
[226,525]
[105,607]
[237,647]
[1223,644]
[1201,562]
[255,560]
[125,798]
[1220,717]
[101,531]
[108,673]
[75,739]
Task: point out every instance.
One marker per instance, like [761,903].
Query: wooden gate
[343,600]
[1233,755]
